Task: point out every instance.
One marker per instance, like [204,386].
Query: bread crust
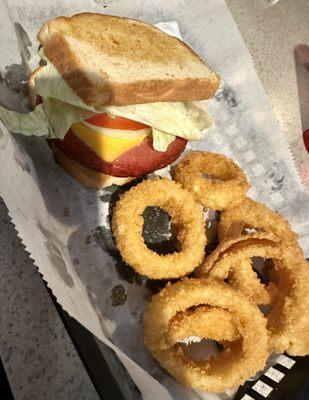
[101,90]
[162,90]
[87,176]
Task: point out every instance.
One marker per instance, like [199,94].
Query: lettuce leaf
[173,118]
[33,123]
[49,83]
[61,116]
[51,119]
[160,140]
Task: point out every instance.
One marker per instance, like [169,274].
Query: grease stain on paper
[15,76]
[24,165]
[227,94]
[104,239]
[104,3]
[118,296]
[53,246]
[276,177]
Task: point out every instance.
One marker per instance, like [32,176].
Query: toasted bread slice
[113,60]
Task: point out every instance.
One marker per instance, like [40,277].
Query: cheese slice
[107,147]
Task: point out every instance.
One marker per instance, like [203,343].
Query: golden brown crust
[186,216]
[162,90]
[59,53]
[86,176]
[100,89]
[227,189]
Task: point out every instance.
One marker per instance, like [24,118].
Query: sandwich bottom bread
[87,176]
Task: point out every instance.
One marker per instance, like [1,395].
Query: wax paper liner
[65,227]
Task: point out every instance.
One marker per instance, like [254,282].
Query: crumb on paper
[118,295]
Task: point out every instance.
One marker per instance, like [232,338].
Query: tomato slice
[107,121]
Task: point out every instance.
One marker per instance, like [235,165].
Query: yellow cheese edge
[106,147]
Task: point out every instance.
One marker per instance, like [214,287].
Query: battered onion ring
[234,365]
[252,214]
[186,215]
[232,260]
[288,323]
[203,322]
[227,189]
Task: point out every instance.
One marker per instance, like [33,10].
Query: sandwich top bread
[119,61]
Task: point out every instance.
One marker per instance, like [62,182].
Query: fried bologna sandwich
[116,97]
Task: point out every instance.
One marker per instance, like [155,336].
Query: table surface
[38,355]
[272,34]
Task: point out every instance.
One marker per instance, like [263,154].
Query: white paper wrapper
[65,227]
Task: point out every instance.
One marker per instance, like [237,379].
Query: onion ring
[288,324]
[251,214]
[242,358]
[186,215]
[232,260]
[227,189]
[203,322]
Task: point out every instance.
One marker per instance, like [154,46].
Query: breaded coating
[186,216]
